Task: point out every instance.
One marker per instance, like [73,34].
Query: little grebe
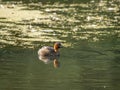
[47,51]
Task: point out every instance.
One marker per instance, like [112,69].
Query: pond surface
[89,32]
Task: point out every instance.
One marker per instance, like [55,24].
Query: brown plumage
[47,51]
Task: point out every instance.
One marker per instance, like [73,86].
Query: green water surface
[89,32]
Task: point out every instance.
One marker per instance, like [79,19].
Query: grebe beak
[61,46]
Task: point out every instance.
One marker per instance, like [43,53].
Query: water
[89,32]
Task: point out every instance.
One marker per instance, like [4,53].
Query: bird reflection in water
[49,54]
[48,60]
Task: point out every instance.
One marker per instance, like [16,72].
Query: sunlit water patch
[27,24]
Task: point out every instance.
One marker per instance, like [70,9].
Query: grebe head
[57,45]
